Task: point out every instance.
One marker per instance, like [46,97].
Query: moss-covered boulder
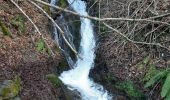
[10,88]
[54,80]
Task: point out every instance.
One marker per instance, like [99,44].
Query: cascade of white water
[78,78]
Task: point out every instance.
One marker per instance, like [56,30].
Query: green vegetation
[41,47]
[63,3]
[164,76]
[129,88]
[145,62]
[5,29]
[47,9]
[10,88]
[54,80]
[19,22]
[152,71]
[154,76]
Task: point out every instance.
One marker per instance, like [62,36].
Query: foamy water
[78,78]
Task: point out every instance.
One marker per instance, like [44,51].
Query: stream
[77,78]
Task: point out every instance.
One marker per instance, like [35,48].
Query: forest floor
[19,55]
[119,60]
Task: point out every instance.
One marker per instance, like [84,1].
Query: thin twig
[135,42]
[36,28]
[60,30]
[101,19]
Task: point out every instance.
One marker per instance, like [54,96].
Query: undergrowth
[4,29]
[154,76]
[19,23]
[130,88]
[41,47]
[163,76]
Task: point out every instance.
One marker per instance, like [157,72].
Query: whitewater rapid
[78,77]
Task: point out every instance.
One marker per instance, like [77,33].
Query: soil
[19,56]
[121,60]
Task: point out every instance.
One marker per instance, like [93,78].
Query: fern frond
[155,78]
[168,96]
[166,86]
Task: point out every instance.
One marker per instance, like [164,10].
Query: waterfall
[78,77]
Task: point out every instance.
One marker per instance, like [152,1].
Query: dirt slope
[19,54]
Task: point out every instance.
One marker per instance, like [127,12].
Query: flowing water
[78,77]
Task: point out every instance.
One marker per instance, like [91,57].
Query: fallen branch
[60,30]
[36,28]
[135,42]
[104,19]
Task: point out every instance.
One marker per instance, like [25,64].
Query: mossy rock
[54,80]
[10,88]
[5,29]
[19,22]
[63,3]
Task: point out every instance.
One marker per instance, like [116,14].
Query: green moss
[41,45]
[54,80]
[19,22]
[10,88]
[129,88]
[47,9]
[4,28]
[63,3]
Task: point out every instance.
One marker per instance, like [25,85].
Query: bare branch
[36,28]
[60,30]
[102,19]
[136,42]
